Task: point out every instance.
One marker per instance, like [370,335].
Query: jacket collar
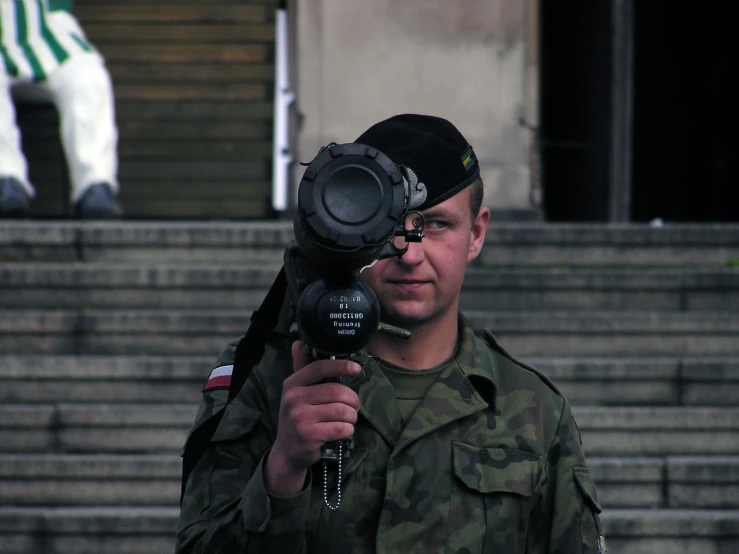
[464,387]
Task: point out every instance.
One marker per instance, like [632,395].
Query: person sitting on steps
[44,55]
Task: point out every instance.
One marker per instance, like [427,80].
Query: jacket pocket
[231,443]
[592,537]
[320,517]
[235,450]
[237,421]
[349,466]
[220,461]
[492,497]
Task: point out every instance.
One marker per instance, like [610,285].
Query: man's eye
[436,224]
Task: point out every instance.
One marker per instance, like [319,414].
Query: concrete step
[532,334]
[161,428]
[600,289]
[95,428]
[676,482]
[60,379]
[151,530]
[699,482]
[671,531]
[156,285]
[642,431]
[584,381]
[507,244]
[126,241]
[95,286]
[645,381]
[154,480]
[87,530]
[90,480]
[610,245]
[615,333]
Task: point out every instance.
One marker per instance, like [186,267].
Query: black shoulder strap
[263,322]
[248,353]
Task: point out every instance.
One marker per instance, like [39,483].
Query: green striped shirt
[37,36]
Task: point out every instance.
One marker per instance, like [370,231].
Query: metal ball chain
[338,482]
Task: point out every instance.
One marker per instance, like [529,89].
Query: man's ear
[479,227]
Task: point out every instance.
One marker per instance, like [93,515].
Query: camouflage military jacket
[490,461]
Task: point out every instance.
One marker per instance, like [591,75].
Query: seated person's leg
[15,190]
[83,93]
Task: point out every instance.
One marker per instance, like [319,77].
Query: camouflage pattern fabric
[490,461]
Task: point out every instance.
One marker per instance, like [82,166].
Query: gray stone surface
[703,483]
[87,530]
[606,431]
[673,545]
[32,240]
[644,418]
[158,285]
[146,390]
[703,495]
[182,332]
[675,482]
[55,379]
[584,381]
[671,523]
[76,466]
[610,245]
[91,492]
[69,428]
[630,495]
[628,482]
[90,480]
[614,381]
[671,531]
[507,244]
[187,242]
[698,469]
[137,480]
[151,530]
[655,381]
[717,370]
[626,470]
[622,431]
[628,333]
[711,381]
[108,368]
[100,321]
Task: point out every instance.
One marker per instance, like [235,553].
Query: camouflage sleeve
[226,507]
[567,516]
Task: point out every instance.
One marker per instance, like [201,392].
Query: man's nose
[414,255]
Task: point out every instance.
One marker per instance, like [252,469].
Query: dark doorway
[686,112]
[575,102]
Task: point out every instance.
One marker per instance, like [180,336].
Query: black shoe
[14,200]
[98,202]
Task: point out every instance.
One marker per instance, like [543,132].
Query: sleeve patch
[219,378]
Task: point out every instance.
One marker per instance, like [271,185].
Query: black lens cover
[350,197]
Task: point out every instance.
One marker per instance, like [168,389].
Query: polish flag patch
[219,378]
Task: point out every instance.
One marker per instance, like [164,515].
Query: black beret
[431,148]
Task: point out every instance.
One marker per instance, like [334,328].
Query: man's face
[424,285]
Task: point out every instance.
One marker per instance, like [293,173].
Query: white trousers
[82,92]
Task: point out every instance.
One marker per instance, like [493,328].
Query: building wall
[361,61]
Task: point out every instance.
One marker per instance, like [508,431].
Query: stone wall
[359,62]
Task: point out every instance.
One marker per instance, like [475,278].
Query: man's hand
[312,413]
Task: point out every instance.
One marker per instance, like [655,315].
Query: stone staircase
[107,332]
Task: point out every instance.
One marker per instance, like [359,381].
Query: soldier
[45,56]
[458,447]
